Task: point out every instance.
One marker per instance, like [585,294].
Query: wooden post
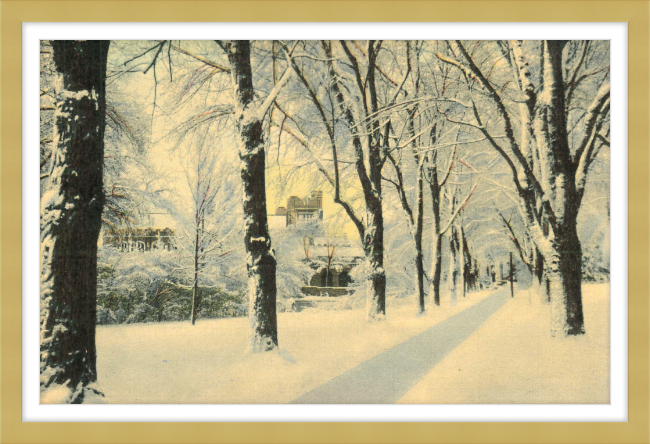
[512,276]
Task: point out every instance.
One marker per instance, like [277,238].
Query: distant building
[139,239]
[298,210]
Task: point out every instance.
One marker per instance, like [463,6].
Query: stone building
[298,210]
[301,210]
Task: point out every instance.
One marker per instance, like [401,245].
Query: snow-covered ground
[179,363]
[511,358]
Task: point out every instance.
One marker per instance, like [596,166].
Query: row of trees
[525,120]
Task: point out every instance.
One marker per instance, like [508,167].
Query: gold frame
[13,13]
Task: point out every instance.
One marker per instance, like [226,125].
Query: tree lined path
[388,376]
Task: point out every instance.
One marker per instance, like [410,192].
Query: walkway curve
[387,377]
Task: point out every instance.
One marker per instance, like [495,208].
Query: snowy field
[510,358]
[177,363]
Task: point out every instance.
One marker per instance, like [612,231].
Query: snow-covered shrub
[176,312]
[294,267]
[351,302]
[143,313]
[233,309]
[120,315]
[105,316]
[217,303]
[152,286]
[359,275]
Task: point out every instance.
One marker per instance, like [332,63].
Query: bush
[143,313]
[105,316]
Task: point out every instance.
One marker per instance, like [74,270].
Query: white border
[616,411]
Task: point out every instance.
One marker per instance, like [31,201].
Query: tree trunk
[540,281]
[436,267]
[462,245]
[195,293]
[538,269]
[436,237]
[565,279]
[71,210]
[565,258]
[419,226]
[419,267]
[372,235]
[261,262]
[374,249]
[452,278]
[512,277]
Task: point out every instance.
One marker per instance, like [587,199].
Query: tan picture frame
[13,13]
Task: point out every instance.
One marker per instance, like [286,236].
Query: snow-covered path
[388,376]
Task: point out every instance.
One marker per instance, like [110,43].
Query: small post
[512,276]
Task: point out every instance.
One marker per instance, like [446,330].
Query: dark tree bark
[436,268]
[71,210]
[417,236]
[540,282]
[565,259]
[261,262]
[436,237]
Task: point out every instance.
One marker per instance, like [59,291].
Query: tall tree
[71,211]
[261,263]
[358,104]
[206,175]
[438,230]
[414,219]
[372,234]
[549,169]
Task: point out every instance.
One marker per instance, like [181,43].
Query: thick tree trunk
[565,278]
[436,267]
[71,210]
[564,260]
[261,262]
[436,237]
[374,249]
